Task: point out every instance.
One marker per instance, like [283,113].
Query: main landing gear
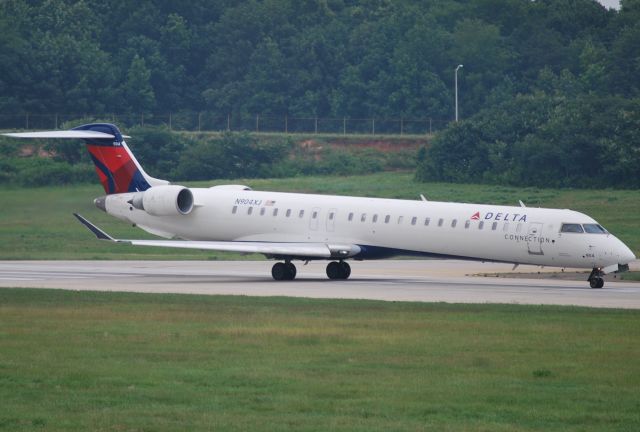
[283,271]
[595,278]
[287,271]
[338,270]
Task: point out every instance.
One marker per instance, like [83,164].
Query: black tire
[596,282]
[346,269]
[291,271]
[600,283]
[279,271]
[334,270]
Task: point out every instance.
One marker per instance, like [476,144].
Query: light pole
[456,80]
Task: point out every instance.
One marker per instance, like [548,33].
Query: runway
[390,280]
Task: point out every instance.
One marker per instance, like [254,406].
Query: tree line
[365,58]
[548,92]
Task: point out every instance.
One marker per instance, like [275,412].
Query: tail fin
[117,168]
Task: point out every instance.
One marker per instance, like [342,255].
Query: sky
[611,3]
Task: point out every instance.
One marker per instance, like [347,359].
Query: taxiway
[390,280]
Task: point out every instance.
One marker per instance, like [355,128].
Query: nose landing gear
[595,278]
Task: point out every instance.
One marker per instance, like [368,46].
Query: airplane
[291,227]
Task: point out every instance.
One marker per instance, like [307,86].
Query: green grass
[114,361]
[36,223]
[630,276]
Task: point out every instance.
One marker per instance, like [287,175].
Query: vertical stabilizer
[117,167]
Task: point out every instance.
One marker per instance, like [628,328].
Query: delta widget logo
[499,216]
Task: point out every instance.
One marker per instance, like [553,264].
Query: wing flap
[315,250]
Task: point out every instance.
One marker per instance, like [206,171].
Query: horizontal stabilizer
[79,134]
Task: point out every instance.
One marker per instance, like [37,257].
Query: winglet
[101,235]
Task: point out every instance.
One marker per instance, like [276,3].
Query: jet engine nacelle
[170,200]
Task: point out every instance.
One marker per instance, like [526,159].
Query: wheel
[279,271]
[596,282]
[291,271]
[283,271]
[334,270]
[338,270]
[346,269]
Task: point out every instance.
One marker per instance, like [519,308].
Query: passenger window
[375,218]
[350,217]
[454,223]
[301,214]
[250,210]
[594,229]
[331,216]
[505,227]
[275,212]
[262,211]
[426,221]
[571,228]
[440,222]
[314,215]
[467,224]
[387,218]
[414,220]
[363,217]
[400,219]
[481,225]
[234,210]
[494,226]
[288,212]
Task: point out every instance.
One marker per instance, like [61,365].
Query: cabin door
[534,244]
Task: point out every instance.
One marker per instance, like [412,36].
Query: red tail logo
[115,165]
[115,168]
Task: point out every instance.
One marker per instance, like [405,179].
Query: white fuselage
[385,227]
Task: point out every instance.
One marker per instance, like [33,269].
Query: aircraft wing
[302,250]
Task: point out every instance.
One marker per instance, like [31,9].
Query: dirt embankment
[382,145]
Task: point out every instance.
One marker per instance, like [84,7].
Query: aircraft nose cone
[630,256]
[626,256]
[100,203]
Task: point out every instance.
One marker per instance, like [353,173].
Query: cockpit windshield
[594,229]
[582,228]
[571,228]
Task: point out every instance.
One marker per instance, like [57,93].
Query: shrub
[43,172]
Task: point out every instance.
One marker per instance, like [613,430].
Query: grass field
[113,361]
[37,223]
